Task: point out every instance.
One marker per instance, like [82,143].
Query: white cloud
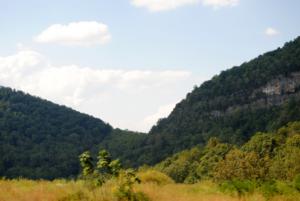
[83,33]
[271,31]
[124,98]
[162,111]
[164,5]
[220,3]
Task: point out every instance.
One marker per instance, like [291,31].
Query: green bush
[285,188]
[269,189]
[238,187]
[297,182]
[154,176]
[124,190]
[96,174]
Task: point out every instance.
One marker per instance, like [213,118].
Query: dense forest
[39,139]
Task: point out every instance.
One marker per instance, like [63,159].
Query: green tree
[86,163]
[104,169]
[286,163]
[239,165]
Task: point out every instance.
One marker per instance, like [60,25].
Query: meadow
[68,190]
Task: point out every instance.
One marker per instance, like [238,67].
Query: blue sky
[151,54]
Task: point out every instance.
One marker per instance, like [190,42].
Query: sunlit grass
[62,190]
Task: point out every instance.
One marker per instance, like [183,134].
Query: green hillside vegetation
[267,167]
[265,157]
[123,144]
[39,139]
[231,106]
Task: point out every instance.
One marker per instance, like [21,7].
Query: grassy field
[61,190]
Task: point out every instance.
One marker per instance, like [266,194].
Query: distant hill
[260,95]
[39,139]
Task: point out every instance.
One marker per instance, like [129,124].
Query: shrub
[285,188]
[97,174]
[124,190]
[297,182]
[154,176]
[269,189]
[240,165]
[238,187]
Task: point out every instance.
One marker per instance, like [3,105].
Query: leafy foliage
[193,165]
[39,139]
[98,173]
[241,165]
[297,182]
[266,156]
[238,187]
[124,190]
[86,162]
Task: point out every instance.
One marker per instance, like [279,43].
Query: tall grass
[62,190]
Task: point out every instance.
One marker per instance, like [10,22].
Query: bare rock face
[283,85]
[277,91]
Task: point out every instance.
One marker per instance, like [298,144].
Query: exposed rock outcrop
[283,85]
[275,92]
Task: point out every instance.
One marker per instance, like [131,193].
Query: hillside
[39,139]
[260,95]
[266,156]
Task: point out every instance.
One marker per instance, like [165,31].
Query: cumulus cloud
[271,31]
[124,98]
[164,5]
[83,33]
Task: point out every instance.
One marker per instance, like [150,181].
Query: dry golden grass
[61,190]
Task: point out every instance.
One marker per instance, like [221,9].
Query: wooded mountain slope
[39,139]
[260,95]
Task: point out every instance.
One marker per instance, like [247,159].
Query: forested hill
[39,139]
[260,95]
[236,87]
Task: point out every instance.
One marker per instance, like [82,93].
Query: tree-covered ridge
[39,139]
[265,157]
[124,144]
[233,87]
[231,106]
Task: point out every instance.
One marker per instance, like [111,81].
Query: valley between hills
[234,137]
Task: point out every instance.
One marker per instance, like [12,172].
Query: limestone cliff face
[275,92]
[278,90]
[282,85]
